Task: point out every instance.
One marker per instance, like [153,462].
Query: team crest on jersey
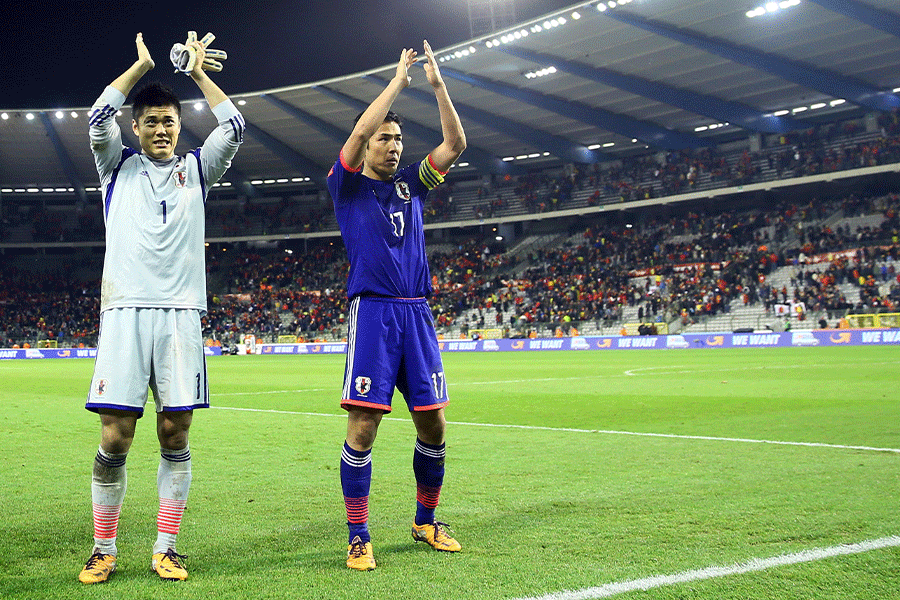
[402,189]
[102,386]
[180,178]
[363,385]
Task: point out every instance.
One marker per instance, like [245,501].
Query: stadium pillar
[508,231]
[755,142]
[871,122]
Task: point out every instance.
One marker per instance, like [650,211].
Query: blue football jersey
[381,225]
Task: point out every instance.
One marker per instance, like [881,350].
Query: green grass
[564,503]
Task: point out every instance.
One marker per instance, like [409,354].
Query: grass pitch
[565,471]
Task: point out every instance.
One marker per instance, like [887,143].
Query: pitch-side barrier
[787,339]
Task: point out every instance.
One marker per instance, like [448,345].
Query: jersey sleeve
[104,132]
[341,180]
[222,144]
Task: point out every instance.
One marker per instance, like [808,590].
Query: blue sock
[356,478]
[428,466]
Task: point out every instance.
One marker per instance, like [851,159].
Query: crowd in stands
[258,292]
[823,148]
[254,217]
[685,267]
[51,306]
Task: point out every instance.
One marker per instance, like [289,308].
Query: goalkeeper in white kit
[153,292]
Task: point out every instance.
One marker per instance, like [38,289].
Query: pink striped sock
[106,526]
[170,513]
[173,482]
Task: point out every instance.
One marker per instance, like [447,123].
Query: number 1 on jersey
[163,204]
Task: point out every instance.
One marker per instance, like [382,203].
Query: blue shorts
[391,343]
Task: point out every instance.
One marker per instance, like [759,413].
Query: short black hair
[390,116]
[154,94]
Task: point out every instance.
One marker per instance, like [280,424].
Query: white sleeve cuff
[225,110]
[113,97]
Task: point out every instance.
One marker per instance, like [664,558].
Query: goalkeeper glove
[184,57]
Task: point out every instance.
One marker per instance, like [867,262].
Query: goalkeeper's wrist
[143,66]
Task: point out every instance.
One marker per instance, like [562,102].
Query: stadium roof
[583,84]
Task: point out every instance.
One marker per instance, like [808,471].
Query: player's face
[383,150]
[157,130]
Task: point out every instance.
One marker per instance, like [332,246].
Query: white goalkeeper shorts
[160,349]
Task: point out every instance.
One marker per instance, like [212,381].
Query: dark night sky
[64,55]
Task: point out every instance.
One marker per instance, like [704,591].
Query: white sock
[173,481]
[108,484]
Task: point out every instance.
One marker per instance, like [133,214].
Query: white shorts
[156,348]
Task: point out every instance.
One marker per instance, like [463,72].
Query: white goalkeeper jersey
[154,211]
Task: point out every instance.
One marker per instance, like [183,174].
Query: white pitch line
[638,372]
[683,437]
[281,412]
[603,431]
[269,392]
[667,370]
[756,564]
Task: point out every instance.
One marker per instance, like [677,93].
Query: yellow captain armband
[429,174]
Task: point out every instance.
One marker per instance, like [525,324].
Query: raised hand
[143,53]
[200,55]
[407,59]
[431,68]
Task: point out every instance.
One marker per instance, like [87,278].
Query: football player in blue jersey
[391,337]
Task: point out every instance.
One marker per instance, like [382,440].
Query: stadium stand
[744,267]
[594,249]
[819,150]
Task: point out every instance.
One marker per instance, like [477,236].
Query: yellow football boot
[168,565]
[359,555]
[98,568]
[435,535]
